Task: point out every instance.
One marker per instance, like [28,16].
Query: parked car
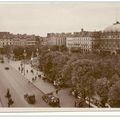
[30,98]
[44,78]
[75,93]
[93,101]
[51,100]
[6,68]
[58,84]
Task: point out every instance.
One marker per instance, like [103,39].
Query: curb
[27,79]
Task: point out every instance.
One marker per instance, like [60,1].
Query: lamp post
[12,55]
[37,53]
[24,54]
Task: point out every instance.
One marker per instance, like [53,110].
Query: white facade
[56,40]
[84,43]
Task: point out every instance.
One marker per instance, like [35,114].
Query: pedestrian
[33,79]
[76,94]
[39,76]
[32,72]
[10,102]
[75,104]
[57,90]
[19,68]
[8,95]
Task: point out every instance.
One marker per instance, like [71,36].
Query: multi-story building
[6,39]
[110,39]
[58,39]
[25,40]
[43,41]
[84,41]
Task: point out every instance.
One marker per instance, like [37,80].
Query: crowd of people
[22,70]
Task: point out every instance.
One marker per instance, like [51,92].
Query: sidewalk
[44,86]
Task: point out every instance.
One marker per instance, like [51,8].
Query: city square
[47,61]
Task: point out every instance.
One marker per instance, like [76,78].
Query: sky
[41,18]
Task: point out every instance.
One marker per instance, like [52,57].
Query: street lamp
[24,54]
[37,53]
[12,54]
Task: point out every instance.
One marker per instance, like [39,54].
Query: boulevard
[18,86]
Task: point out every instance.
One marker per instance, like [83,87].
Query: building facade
[84,41]
[110,39]
[8,39]
[58,39]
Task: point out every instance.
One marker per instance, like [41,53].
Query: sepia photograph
[60,55]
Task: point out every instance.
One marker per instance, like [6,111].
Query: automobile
[58,84]
[51,100]
[93,101]
[44,78]
[39,76]
[6,68]
[75,93]
[30,98]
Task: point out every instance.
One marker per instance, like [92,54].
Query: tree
[82,77]
[102,89]
[6,50]
[114,79]
[63,48]
[54,48]
[52,63]
[104,68]
[67,70]
[18,52]
[114,95]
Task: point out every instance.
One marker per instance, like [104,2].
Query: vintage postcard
[59,56]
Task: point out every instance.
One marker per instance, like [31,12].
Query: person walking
[19,68]
[8,95]
[27,71]
[10,102]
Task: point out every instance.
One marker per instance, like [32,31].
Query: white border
[48,112]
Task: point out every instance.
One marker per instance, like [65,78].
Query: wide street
[18,86]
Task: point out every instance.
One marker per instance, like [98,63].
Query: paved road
[66,100]
[18,86]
